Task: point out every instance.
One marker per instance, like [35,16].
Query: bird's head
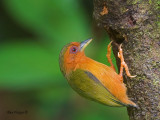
[71,55]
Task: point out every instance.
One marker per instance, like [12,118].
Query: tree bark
[136,24]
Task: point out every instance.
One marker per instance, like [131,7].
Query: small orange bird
[94,80]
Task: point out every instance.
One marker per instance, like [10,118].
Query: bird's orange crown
[72,54]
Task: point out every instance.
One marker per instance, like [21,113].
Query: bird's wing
[89,84]
[109,94]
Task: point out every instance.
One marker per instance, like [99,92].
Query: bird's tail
[131,104]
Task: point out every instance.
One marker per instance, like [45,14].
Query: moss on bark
[136,24]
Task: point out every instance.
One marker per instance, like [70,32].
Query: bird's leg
[109,56]
[123,64]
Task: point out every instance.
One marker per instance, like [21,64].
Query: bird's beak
[84,44]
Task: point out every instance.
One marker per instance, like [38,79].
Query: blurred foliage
[32,33]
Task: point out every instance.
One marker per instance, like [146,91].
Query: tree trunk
[136,24]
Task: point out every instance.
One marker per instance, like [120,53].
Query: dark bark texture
[136,24]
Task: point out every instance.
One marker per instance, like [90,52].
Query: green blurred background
[32,34]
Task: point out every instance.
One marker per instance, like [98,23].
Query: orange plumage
[73,59]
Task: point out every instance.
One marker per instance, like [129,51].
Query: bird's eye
[74,49]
